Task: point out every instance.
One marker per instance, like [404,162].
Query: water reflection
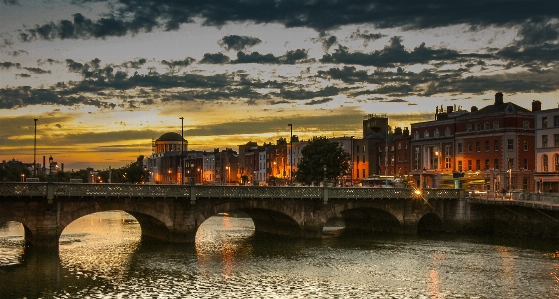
[101,256]
[221,245]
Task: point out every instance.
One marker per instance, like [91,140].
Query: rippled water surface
[101,256]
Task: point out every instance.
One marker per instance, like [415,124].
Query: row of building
[511,147]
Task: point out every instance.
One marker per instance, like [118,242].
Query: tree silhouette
[322,159]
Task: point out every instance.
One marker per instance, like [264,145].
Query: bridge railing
[163,191]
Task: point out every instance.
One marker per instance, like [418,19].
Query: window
[364,148]
[525,164]
[556,140]
[556,162]
[469,147]
[556,121]
[364,175]
[526,125]
[447,132]
[486,145]
[544,163]
[447,150]
[510,163]
[510,144]
[460,147]
[478,147]
[495,125]
[544,140]
[399,158]
[469,164]
[525,145]
[437,134]
[416,135]
[496,164]
[426,134]
[399,145]
[525,184]
[469,128]
[496,145]
[405,145]
[544,122]
[478,165]
[363,158]
[447,162]
[487,126]
[357,149]
[460,166]
[486,164]
[478,127]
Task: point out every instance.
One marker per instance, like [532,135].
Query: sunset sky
[104,78]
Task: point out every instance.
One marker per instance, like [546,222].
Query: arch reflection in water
[221,243]
[12,243]
[100,244]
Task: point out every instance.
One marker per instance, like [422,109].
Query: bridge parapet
[163,191]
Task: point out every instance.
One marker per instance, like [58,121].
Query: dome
[171,136]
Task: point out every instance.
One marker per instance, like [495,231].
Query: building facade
[546,176]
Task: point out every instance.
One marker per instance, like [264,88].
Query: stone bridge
[173,213]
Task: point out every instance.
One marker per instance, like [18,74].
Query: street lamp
[182,150]
[228,174]
[23,177]
[35,150]
[424,181]
[324,168]
[291,154]
[50,169]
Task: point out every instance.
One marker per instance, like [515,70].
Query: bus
[470,181]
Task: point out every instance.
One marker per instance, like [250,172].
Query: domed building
[164,164]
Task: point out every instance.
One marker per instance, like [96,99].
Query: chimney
[406,132]
[536,106]
[449,109]
[398,131]
[474,109]
[498,99]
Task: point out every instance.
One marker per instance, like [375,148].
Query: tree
[322,159]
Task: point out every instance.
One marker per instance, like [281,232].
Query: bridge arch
[154,224]
[366,215]
[268,217]
[430,223]
[28,227]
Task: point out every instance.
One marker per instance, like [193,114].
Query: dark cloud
[133,16]
[291,57]
[318,102]
[238,43]
[366,36]
[302,94]
[395,54]
[178,64]
[217,58]
[8,65]
[327,43]
[36,70]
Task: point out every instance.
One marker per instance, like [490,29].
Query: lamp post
[228,174]
[182,150]
[424,181]
[50,169]
[291,154]
[324,168]
[23,177]
[35,150]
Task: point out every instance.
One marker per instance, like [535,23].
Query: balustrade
[163,191]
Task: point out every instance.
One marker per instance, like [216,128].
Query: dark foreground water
[101,256]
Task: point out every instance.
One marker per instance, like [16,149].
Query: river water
[101,256]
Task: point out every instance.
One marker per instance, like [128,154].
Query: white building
[547,150]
